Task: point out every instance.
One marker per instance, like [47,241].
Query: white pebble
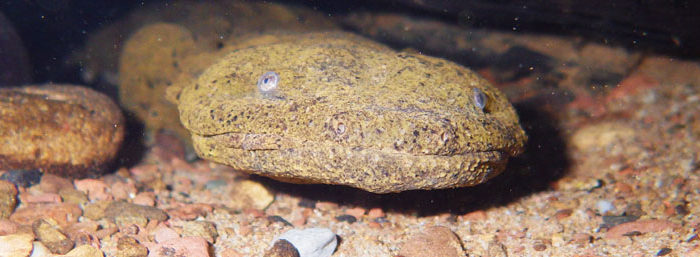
[311,242]
[604,207]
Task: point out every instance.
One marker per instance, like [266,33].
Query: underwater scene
[398,128]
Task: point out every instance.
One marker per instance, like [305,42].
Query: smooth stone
[311,242]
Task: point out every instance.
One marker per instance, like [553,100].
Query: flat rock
[63,213]
[52,236]
[60,129]
[126,211]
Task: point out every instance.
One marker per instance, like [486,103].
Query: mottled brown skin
[60,129]
[174,44]
[353,112]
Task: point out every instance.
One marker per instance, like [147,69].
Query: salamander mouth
[356,167]
[272,142]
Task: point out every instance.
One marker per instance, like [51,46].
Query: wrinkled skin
[353,112]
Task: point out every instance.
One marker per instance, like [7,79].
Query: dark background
[51,30]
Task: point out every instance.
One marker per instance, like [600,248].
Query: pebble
[190,211]
[51,183]
[347,218]
[22,178]
[40,198]
[8,199]
[95,189]
[48,233]
[129,247]
[282,248]
[164,233]
[123,211]
[356,212]
[72,195]
[611,221]
[604,207]
[664,251]
[375,213]
[144,198]
[123,191]
[433,241]
[16,245]
[250,194]
[310,242]
[641,226]
[203,229]
[186,246]
[63,213]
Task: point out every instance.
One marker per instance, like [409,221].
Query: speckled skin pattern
[353,112]
[66,130]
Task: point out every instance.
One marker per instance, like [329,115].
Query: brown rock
[53,184]
[96,211]
[63,213]
[433,241]
[250,194]
[203,229]
[127,211]
[129,247]
[282,248]
[72,195]
[47,232]
[8,199]
[60,129]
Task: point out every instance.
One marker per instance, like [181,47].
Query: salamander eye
[479,97]
[267,83]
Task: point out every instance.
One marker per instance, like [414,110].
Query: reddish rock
[164,233]
[562,214]
[7,227]
[64,214]
[433,241]
[95,189]
[186,246]
[122,191]
[40,198]
[357,212]
[475,215]
[144,198]
[190,211]
[375,213]
[642,226]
